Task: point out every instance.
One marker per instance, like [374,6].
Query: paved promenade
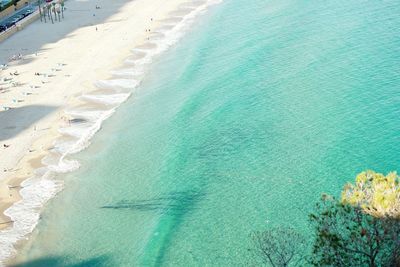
[13,16]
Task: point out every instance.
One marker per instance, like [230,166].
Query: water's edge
[85,122]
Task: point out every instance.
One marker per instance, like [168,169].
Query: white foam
[128,72]
[42,186]
[111,99]
[85,132]
[156,36]
[117,84]
[87,114]
[35,193]
[76,131]
[167,35]
[138,62]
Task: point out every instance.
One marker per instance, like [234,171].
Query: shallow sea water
[241,126]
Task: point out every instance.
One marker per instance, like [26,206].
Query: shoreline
[80,97]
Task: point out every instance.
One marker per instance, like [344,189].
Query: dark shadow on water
[175,203]
[173,207]
[59,261]
[16,120]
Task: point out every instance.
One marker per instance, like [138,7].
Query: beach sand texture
[72,76]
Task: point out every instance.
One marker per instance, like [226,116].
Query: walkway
[21,11]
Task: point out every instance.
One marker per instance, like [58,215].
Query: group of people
[16,57]
[7,82]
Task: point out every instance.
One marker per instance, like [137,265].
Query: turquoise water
[263,106]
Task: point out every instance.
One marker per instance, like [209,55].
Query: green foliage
[347,236]
[361,229]
[375,193]
[280,247]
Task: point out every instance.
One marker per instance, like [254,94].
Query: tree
[347,236]
[377,194]
[280,247]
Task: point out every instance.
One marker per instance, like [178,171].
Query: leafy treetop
[375,193]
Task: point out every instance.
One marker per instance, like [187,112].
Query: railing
[19,25]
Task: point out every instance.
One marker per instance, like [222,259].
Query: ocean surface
[260,108]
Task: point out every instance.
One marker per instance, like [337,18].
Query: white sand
[73,55]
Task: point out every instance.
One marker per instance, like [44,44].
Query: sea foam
[43,185]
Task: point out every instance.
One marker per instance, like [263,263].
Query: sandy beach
[60,63]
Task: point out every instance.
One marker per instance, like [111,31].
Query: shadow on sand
[88,13]
[16,120]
